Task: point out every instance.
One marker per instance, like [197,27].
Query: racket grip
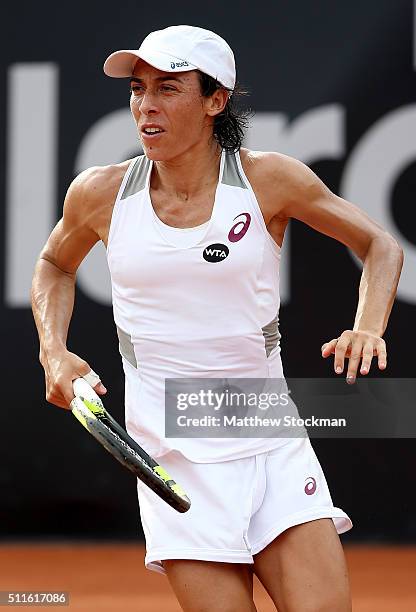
[83,389]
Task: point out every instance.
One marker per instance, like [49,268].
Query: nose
[147,104]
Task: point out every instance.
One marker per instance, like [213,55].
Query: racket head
[89,410]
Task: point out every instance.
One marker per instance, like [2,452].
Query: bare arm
[379,279]
[53,289]
[53,292]
[306,198]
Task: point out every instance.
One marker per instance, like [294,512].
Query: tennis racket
[88,408]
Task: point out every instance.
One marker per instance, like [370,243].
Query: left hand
[355,345]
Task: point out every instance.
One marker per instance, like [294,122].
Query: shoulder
[99,182]
[86,216]
[275,167]
[91,196]
[281,181]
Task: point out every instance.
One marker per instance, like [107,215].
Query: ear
[215,104]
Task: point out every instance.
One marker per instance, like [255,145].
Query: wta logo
[215,252]
[240,228]
[310,486]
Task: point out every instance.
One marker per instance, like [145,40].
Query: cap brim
[120,64]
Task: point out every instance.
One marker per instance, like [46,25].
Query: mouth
[151,132]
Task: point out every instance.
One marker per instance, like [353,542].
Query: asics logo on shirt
[240,228]
[218,252]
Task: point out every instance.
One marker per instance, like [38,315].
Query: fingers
[94,380]
[100,389]
[329,348]
[341,348]
[368,352]
[60,375]
[59,393]
[354,361]
[382,354]
[356,347]
[91,377]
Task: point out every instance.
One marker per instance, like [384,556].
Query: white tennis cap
[178,49]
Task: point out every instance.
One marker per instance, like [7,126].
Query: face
[171,115]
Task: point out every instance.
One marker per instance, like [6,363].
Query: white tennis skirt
[238,507]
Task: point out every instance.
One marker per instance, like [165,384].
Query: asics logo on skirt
[310,486]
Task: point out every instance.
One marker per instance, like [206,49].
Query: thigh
[215,526]
[304,569]
[205,586]
[296,491]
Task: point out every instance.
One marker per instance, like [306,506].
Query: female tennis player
[193,230]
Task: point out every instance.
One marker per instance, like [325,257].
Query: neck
[190,173]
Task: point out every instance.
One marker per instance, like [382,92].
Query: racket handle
[83,389]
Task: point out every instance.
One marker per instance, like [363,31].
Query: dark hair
[229,125]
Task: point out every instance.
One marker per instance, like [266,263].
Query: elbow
[388,247]
[400,254]
[51,263]
[394,247]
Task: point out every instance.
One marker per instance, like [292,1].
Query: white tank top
[197,302]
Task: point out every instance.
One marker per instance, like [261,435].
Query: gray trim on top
[137,179]
[271,335]
[231,175]
[126,347]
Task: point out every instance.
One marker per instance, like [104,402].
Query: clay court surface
[112,578]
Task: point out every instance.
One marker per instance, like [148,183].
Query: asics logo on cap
[174,65]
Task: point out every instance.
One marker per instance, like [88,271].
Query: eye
[168,88]
[136,89]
